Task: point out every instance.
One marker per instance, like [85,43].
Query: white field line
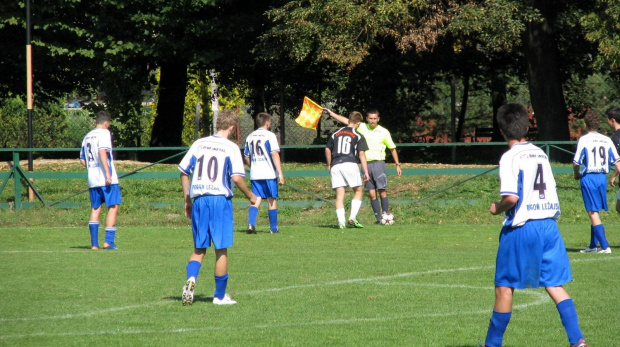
[540,298]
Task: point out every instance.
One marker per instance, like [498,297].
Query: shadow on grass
[201,298]
[80,247]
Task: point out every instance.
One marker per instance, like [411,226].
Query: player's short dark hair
[225,119]
[613,113]
[513,120]
[102,117]
[262,118]
[355,117]
[592,119]
[373,111]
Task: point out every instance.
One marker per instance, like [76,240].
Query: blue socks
[497,327]
[93,227]
[220,286]
[110,233]
[568,314]
[193,267]
[252,213]
[599,233]
[592,237]
[273,219]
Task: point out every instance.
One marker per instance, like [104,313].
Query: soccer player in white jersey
[214,162]
[262,154]
[531,251]
[344,149]
[96,156]
[378,139]
[595,153]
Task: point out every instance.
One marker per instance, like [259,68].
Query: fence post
[17,182]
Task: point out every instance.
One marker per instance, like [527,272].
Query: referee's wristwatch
[397,164]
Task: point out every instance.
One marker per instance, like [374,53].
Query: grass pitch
[400,285]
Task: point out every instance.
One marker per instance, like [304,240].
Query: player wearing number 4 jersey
[96,156]
[262,153]
[214,162]
[531,251]
[345,148]
[595,153]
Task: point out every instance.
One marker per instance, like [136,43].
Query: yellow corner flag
[309,115]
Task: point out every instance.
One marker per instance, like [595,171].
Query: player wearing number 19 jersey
[213,162]
[531,252]
[595,153]
[262,153]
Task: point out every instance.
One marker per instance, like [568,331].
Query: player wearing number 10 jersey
[262,153]
[214,161]
[595,152]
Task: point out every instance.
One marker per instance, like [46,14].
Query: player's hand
[281,180]
[108,181]
[252,199]
[493,208]
[399,171]
[366,177]
[578,176]
[612,181]
[188,209]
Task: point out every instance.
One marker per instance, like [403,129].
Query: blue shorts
[594,191]
[531,256]
[110,195]
[212,221]
[265,188]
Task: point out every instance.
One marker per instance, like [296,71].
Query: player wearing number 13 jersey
[595,153]
[214,162]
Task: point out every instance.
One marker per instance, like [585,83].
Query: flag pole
[29,90]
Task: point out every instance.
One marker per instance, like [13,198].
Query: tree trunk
[545,82]
[498,98]
[461,116]
[168,125]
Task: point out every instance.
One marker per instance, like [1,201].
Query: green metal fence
[19,175]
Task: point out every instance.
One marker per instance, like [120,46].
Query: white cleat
[606,250]
[588,250]
[226,300]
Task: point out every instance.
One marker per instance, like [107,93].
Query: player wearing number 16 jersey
[345,148]
[262,153]
[595,153]
[214,162]
[531,251]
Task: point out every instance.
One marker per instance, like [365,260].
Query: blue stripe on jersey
[227,176]
[190,167]
[269,157]
[510,214]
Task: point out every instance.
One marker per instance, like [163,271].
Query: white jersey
[525,172]
[95,140]
[258,147]
[213,161]
[595,152]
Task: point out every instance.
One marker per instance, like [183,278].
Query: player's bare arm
[83,162]
[399,171]
[276,161]
[186,198]
[341,119]
[362,155]
[576,173]
[103,155]
[328,158]
[507,202]
[614,174]
[240,183]
[246,160]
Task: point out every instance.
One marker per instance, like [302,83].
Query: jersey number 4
[539,182]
